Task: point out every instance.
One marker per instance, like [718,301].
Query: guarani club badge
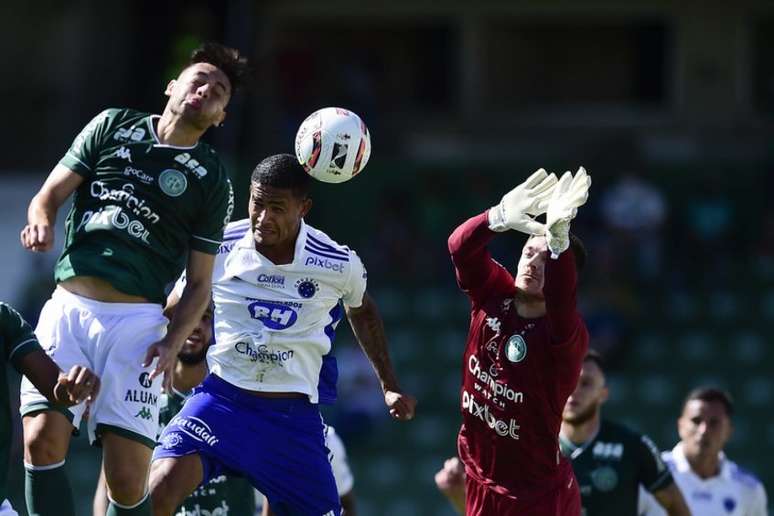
[173,182]
[516,349]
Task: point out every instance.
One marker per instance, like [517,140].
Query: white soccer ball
[333,145]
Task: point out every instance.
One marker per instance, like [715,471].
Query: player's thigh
[172,479]
[126,462]
[46,437]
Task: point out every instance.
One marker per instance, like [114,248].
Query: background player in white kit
[278,287]
[149,200]
[712,485]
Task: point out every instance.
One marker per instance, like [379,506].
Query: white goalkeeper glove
[518,207]
[569,194]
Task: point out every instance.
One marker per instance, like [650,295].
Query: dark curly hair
[283,171]
[226,59]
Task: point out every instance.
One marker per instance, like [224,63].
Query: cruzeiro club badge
[173,182]
[516,350]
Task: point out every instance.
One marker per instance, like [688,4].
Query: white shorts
[110,339]
[6,509]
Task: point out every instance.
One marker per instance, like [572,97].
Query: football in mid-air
[333,145]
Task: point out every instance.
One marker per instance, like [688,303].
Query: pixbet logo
[481,411]
[273,315]
[324,263]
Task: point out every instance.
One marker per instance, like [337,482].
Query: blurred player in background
[278,287]
[227,494]
[20,348]
[609,460]
[712,485]
[342,474]
[524,350]
[149,200]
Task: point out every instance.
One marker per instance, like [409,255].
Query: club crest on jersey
[605,478]
[307,287]
[516,349]
[173,182]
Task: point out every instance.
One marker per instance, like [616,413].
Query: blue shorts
[277,444]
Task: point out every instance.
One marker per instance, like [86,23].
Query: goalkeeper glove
[517,207]
[569,194]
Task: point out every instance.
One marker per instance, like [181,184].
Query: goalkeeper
[524,350]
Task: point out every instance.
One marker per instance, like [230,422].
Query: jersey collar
[244,260]
[683,466]
[152,119]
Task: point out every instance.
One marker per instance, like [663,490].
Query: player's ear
[605,394]
[219,121]
[306,205]
[170,87]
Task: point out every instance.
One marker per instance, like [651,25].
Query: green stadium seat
[746,346]
[724,306]
[696,346]
[655,389]
[683,307]
[758,391]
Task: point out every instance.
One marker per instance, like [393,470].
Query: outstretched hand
[166,352]
[402,406]
[518,207]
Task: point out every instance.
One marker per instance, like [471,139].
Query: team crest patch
[307,287]
[605,478]
[729,504]
[171,440]
[173,182]
[516,349]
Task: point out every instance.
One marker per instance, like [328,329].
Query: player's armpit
[671,499]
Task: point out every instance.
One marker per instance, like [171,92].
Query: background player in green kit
[223,495]
[149,200]
[609,460]
[20,348]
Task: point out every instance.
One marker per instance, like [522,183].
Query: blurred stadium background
[668,104]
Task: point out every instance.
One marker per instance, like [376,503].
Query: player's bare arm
[671,499]
[65,389]
[38,234]
[368,328]
[188,311]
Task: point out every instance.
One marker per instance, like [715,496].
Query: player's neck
[186,376]
[582,432]
[529,309]
[171,130]
[706,466]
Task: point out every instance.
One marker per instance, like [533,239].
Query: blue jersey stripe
[326,255]
[329,372]
[322,246]
[317,248]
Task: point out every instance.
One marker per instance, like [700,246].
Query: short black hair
[283,171]
[226,59]
[710,395]
[579,251]
[592,355]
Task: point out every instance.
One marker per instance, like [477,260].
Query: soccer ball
[333,145]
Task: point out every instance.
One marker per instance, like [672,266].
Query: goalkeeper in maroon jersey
[524,350]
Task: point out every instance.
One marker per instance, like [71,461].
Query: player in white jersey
[712,485]
[280,288]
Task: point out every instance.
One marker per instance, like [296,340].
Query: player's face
[194,348]
[530,272]
[589,394]
[200,95]
[704,428]
[275,214]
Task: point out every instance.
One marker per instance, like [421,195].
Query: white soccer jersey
[274,324]
[734,492]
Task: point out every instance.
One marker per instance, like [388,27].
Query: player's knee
[163,499]
[126,485]
[44,443]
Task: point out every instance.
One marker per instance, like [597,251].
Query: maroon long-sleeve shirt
[517,373]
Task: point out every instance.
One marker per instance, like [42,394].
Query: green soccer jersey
[610,468]
[142,204]
[16,340]
[223,495]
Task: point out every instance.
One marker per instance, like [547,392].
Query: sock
[142,508]
[47,491]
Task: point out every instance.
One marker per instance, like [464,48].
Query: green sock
[47,491]
[141,509]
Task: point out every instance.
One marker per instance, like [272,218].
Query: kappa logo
[144,413]
[124,153]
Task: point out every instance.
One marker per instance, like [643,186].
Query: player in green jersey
[149,200]
[20,348]
[609,460]
[224,495]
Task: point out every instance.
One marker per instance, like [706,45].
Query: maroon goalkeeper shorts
[483,501]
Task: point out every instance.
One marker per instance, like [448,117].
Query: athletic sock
[142,508]
[47,490]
